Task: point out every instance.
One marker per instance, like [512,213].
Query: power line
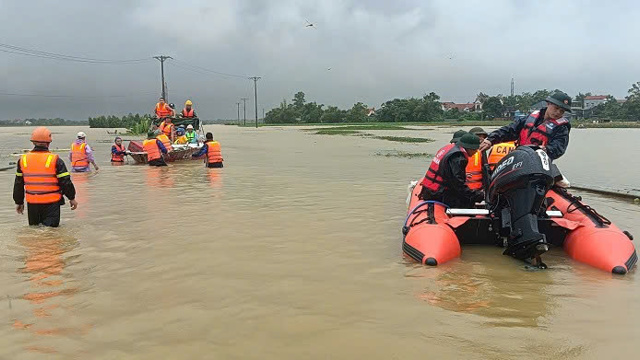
[199,69]
[74,96]
[162,59]
[12,49]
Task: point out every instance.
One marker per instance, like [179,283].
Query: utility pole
[162,59]
[244,109]
[255,93]
[238,103]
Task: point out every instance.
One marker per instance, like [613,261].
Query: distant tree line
[111,121]
[429,109]
[41,122]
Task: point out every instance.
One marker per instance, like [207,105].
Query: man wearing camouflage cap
[546,128]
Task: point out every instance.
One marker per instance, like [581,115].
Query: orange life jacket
[164,139]
[116,157]
[163,111]
[79,156]
[498,151]
[152,149]
[433,179]
[166,128]
[214,155]
[40,179]
[539,135]
[474,172]
[187,114]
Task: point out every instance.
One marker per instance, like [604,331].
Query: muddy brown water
[292,251]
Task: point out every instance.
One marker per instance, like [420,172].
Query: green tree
[333,115]
[493,107]
[358,113]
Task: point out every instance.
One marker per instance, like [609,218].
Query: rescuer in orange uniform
[44,178]
[212,149]
[163,109]
[154,149]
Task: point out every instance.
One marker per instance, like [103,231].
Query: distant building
[462,107]
[27,122]
[371,112]
[593,101]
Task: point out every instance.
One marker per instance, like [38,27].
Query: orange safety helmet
[41,134]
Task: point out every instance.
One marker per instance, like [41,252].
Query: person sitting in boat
[154,149]
[212,149]
[180,136]
[192,137]
[445,180]
[188,111]
[168,128]
[118,152]
[81,155]
[474,167]
[546,128]
[164,139]
[163,109]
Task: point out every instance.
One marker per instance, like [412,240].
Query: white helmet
[189,127]
[81,135]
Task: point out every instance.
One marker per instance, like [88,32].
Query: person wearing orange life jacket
[44,179]
[163,110]
[164,139]
[212,149]
[474,167]
[81,155]
[168,128]
[546,128]
[498,151]
[445,180]
[154,149]
[188,111]
[118,152]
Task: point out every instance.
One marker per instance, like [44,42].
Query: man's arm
[558,144]
[203,150]
[509,132]
[18,186]
[161,146]
[64,180]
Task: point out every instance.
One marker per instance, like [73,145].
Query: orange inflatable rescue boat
[525,213]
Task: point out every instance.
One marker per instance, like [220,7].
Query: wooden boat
[179,152]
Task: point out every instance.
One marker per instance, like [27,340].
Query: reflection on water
[50,289]
[292,251]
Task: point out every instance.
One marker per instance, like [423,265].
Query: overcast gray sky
[376,49]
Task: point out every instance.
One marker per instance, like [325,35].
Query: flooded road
[293,251]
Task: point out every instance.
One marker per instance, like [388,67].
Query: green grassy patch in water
[336,132]
[405,139]
[403,154]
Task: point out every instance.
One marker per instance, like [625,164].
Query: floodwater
[293,251]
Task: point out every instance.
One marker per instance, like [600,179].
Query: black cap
[469,141]
[209,136]
[457,135]
[560,99]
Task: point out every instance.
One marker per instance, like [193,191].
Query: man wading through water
[44,178]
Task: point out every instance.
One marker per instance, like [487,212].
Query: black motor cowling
[517,190]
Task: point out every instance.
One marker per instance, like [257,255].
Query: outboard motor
[517,191]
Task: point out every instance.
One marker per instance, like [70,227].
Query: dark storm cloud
[376,50]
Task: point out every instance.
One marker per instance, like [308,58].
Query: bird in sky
[310,24]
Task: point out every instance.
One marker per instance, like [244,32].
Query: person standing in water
[212,149]
[154,149]
[81,155]
[118,152]
[44,179]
